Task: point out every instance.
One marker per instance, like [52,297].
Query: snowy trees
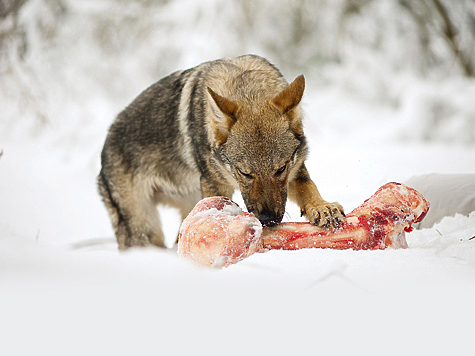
[422,35]
[455,23]
[417,34]
[108,51]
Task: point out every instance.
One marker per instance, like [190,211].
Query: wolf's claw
[326,215]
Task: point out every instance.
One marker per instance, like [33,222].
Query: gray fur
[162,149]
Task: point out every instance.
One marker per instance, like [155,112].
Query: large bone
[217,233]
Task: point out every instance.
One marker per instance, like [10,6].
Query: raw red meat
[217,233]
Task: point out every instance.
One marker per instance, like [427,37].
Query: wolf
[227,124]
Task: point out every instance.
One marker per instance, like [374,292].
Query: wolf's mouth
[269,219]
[270,223]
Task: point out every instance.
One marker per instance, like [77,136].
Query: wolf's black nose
[268,218]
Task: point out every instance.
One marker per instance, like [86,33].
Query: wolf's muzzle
[268,218]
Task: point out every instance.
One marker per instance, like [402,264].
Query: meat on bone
[217,233]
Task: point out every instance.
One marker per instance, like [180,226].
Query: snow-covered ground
[65,289]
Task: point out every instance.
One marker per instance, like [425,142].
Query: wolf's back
[166,127]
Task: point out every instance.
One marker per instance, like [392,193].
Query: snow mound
[448,195]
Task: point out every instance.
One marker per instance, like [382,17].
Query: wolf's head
[260,142]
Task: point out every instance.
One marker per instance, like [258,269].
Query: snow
[66,289]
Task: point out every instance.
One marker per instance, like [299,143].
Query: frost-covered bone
[217,233]
[380,222]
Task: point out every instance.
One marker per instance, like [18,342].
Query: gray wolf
[228,124]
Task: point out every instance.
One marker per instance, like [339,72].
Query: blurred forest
[82,61]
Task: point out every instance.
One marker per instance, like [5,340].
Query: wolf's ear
[289,99]
[221,124]
[291,96]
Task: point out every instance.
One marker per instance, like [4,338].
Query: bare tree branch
[10,6]
[450,33]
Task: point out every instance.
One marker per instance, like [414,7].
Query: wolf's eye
[281,170]
[246,175]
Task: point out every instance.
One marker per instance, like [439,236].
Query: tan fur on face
[286,102]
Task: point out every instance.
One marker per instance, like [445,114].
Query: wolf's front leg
[318,211]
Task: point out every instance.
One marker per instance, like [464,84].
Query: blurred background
[390,90]
[66,65]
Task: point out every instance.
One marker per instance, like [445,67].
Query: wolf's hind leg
[134,216]
[148,224]
[144,218]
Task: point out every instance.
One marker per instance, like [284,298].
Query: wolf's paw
[325,215]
